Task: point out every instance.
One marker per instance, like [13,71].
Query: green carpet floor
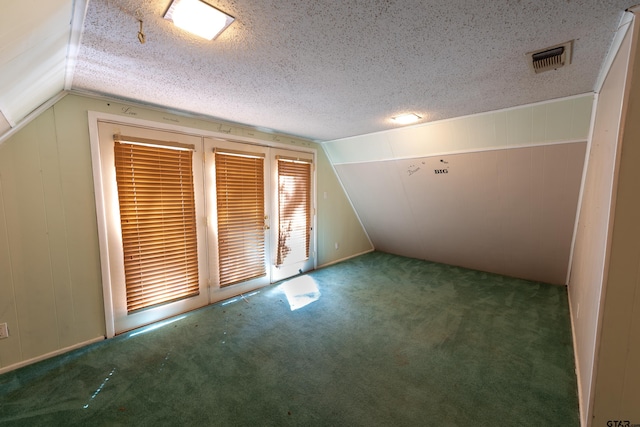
[379,340]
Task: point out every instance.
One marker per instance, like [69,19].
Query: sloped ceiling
[34,37]
[318,69]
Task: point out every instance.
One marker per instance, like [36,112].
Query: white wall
[616,382]
[34,43]
[589,264]
[50,279]
[506,204]
[557,121]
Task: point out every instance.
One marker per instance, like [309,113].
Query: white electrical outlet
[4,331]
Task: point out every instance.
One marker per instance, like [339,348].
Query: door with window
[187,220]
[293,214]
[261,200]
[238,208]
[153,203]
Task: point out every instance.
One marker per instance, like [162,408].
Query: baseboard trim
[50,355]
[345,258]
[581,409]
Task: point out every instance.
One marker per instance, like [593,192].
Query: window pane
[294,211]
[240,203]
[157,215]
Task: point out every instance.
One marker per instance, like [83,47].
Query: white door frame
[104,217]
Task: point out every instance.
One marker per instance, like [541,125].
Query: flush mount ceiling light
[198,18]
[405,119]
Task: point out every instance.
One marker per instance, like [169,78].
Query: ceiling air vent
[550,58]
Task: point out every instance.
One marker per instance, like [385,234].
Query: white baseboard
[345,258]
[50,355]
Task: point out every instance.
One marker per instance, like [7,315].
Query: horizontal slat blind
[157,214]
[294,210]
[240,202]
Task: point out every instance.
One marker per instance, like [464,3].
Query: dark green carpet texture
[383,341]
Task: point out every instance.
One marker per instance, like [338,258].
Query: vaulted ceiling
[318,69]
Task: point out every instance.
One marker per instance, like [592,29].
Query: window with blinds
[294,210]
[241,215]
[157,214]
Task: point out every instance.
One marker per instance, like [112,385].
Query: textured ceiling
[332,69]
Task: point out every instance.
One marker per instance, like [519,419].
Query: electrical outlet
[4,331]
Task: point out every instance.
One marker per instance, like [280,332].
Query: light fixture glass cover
[405,119]
[198,17]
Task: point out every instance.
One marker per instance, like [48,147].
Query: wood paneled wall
[605,289]
[49,263]
[50,278]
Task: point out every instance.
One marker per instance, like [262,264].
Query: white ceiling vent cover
[550,58]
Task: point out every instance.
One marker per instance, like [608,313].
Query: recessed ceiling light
[198,18]
[405,119]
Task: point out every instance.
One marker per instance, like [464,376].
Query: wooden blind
[240,201]
[294,210]
[157,213]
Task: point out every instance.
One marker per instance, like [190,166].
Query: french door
[260,201]
[293,213]
[186,220]
[149,211]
